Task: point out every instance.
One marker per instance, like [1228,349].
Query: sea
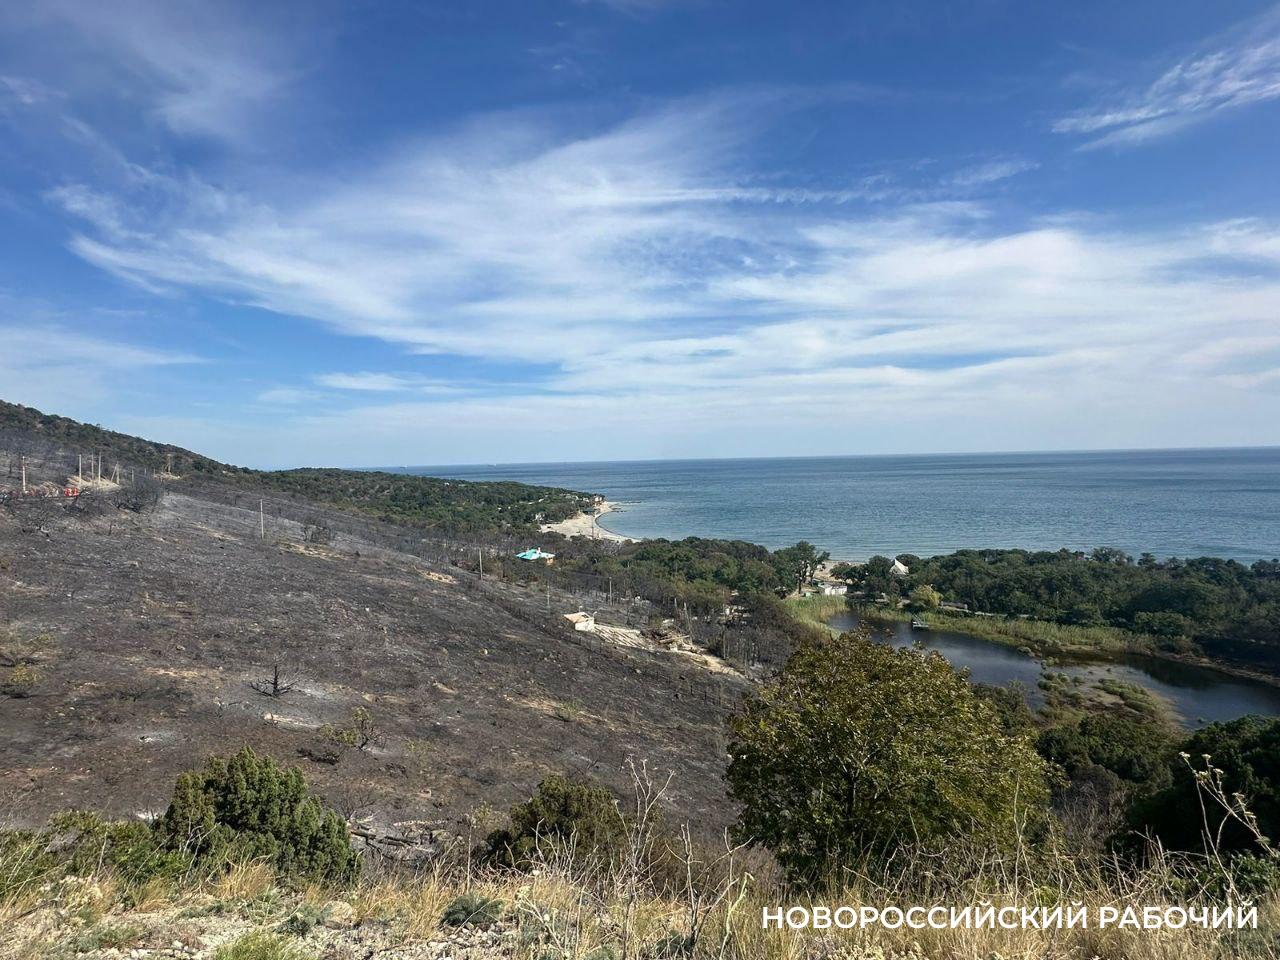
[1183,503]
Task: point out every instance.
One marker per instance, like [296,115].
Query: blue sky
[389,233]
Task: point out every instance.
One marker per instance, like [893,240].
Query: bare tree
[274,685]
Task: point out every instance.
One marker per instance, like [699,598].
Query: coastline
[587,524]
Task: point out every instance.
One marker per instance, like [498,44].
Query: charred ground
[137,636]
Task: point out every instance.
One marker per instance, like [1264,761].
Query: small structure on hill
[834,589]
[582,621]
[899,569]
[536,553]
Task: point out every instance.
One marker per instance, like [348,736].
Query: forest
[1224,607]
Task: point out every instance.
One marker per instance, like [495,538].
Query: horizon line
[822,456]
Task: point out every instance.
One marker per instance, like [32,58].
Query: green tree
[924,597]
[247,806]
[856,748]
[797,565]
[1247,752]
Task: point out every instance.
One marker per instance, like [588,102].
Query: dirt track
[146,629]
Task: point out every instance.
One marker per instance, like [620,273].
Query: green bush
[248,807]
[127,848]
[261,945]
[1247,754]
[561,813]
[472,910]
[26,863]
[857,749]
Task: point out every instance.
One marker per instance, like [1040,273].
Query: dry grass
[575,914]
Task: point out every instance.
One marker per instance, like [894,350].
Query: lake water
[1197,695]
[1171,502]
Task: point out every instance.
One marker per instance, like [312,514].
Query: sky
[384,233]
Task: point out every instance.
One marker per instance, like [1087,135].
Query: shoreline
[587,524]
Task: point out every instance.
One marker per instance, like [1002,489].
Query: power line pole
[480,551]
[22,461]
[262,522]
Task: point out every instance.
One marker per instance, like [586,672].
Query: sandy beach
[587,524]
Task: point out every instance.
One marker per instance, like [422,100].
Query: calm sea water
[1171,502]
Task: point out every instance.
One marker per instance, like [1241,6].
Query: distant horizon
[816,456]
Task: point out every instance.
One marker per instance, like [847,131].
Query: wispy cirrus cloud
[640,275]
[1235,72]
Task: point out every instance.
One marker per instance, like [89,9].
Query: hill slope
[129,642]
[429,502]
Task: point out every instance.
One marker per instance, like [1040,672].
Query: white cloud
[286,396]
[373,382]
[661,294]
[1242,72]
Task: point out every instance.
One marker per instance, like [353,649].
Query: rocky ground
[129,643]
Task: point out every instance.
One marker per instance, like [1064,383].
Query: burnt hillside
[130,643]
[433,503]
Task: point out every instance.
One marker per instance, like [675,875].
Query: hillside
[428,502]
[130,643]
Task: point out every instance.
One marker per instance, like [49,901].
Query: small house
[834,589]
[899,569]
[582,621]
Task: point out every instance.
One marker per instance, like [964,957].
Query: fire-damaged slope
[134,644]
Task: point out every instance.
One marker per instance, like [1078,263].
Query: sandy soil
[588,525]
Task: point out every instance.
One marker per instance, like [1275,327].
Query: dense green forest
[1226,608]
[453,506]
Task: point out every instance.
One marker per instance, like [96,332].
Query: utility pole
[80,465]
[99,464]
[480,551]
[262,522]
[22,460]
[548,596]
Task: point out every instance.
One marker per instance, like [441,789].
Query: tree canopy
[856,748]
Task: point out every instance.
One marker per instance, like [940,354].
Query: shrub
[129,849]
[1246,754]
[472,910]
[248,807]
[361,733]
[21,681]
[140,494]
[560,813]
[857,748]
